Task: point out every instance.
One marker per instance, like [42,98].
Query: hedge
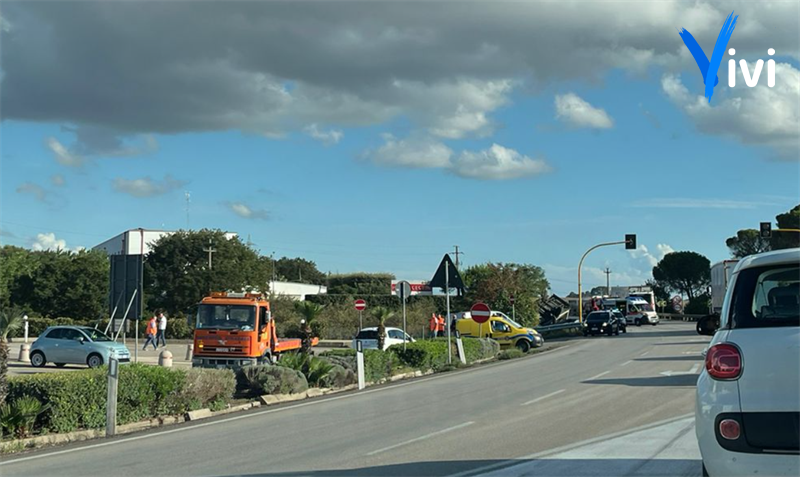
[378,364]
[432,354]
[78,399]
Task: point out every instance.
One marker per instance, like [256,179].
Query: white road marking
[538,455]
[598,376]
[644,354]
[627,362]
[542,398]
[422,438]
[694,370]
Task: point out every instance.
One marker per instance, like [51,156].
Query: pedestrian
[433,324]
[150,333]
[162,329]
[440,326]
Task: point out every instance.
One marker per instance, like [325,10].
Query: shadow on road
[695,357]
[675,343]
[539,467]
[636,332]
[688,380]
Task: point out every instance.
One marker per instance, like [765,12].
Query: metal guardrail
[679,317]
[558,326]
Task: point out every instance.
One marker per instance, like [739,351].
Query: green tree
[688,273]
[747,242]
[310,312]
[177,273]
[15,263]
[495,283]
[360,284]
[299,270]
[381,314]
[10,321]
[787,220]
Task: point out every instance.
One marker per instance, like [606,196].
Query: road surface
[596,406]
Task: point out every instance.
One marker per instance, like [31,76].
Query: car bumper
[221,362]
[720,397]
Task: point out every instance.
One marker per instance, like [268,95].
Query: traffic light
[766,230]
[630,241]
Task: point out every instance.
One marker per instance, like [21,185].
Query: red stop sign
[511,299]
[360,304]
[480,312]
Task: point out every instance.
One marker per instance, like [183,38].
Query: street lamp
[630,244]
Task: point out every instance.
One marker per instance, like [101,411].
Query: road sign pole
[360,364]
[404,324]
[513,312]
[360,321]
[447,293]
[111,398]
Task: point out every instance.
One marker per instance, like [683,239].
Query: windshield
[232,317]
[95,335]
[597,317]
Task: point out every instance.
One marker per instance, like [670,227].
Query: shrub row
[78,399]
[378,365]
[432,354]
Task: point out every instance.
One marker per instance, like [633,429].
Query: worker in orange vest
[150,332]
[440,326]
[433,324]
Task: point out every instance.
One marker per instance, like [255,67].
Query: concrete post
[165,359]
[189,351]
[25,353]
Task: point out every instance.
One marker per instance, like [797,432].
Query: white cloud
[574,110]
[247,212]
[34,189]
[416,151]
[760,115]
[146,186]
[57,180]
[497,163]
[329,137]
[690,203]
[645,260]
[48,241]
[63,156]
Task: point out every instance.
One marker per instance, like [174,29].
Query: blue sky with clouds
[378,145]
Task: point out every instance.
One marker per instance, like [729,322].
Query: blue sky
[581,158]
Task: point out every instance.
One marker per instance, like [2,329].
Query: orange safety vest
[151,326]
[434,323]
[440,323]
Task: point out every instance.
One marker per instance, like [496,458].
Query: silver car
[76,345]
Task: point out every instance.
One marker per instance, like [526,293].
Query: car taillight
[730,429]
[724,361]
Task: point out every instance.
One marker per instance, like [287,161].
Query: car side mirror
[81,339]
[707,325]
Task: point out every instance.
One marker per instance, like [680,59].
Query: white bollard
[165,359]
[189,351]
[25,353]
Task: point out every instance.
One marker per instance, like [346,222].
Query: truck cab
[234,330]
[502,329]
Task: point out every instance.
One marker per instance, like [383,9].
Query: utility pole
[210,249]
[188,200]
[457,253]
[608,281]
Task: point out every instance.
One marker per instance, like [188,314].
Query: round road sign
[511,299]
[360,304]
[480,312]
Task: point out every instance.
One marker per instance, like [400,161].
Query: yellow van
[502,329]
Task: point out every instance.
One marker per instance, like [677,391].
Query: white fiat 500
[748,396]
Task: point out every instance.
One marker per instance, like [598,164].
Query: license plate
[223,350]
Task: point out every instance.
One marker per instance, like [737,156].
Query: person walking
[440,326]
[433,325]
[150,333]
[162,329]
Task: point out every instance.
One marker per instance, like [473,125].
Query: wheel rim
[94,362]
[37,359]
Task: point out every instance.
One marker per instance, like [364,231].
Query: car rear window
[367,335]
[597,317]
[766,297]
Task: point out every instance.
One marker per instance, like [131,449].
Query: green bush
[77,399]
[512,353]
[477,349]
[378,364]
[268,379]
[338,377]
[313,368]
[178,328]
[18,418]
[432,354]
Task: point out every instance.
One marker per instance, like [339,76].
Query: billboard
[126,278]
[418,287]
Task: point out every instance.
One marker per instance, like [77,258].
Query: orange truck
[237,329]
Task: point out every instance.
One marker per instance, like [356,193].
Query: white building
[296,291]
[136,241]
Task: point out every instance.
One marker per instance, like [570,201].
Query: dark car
[601,322]
[623,325]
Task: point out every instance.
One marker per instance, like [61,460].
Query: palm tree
[309,311]
[381,313]
[10,321]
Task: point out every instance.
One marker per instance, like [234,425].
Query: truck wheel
[523,346]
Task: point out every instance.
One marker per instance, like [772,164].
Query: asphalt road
[596,406]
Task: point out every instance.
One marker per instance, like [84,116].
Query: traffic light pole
[580,265]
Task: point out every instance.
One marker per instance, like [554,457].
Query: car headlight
[605,324]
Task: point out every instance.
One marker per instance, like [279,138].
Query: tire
[523,345]
[654,324]
[38,360]
[94,360]
[617,332]
[637,322]
[60,365]
[611,332]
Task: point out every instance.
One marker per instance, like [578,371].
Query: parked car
[502,329]
[63,345]
[369,338]
[623,324]
[747,414]
[601,322]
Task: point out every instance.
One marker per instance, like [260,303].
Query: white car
[748,397]
[369,338]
